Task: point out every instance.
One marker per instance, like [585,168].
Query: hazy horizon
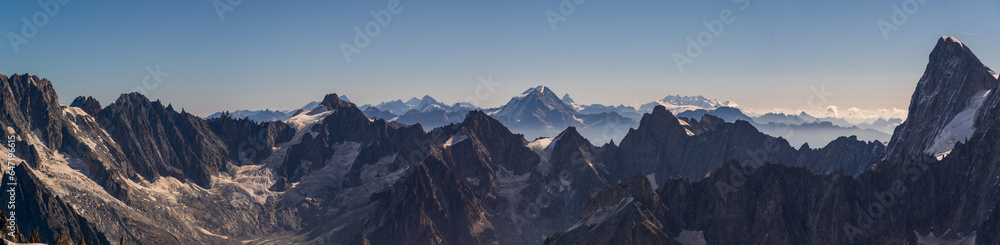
[771,56]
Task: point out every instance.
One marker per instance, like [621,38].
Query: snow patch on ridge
[945,239]
[961,127]
[456,138]
[212,234]
[305,120]
[543,147]
[652,180]
[686,126]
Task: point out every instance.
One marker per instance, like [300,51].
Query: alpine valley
[540,169]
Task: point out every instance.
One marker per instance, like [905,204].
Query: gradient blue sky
[283,54]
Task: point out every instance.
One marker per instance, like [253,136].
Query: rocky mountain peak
[428,100]
[482,124]
[538,108]
[950,45]
[88,104]
[332,101]
[130,100]
[661,110]
[412,102]
[144,129]
[567,99]
[571,139]
[954,86]
[571,134]
[659,120]
[32,104]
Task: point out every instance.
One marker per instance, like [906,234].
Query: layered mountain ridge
[914,195]
[142,172]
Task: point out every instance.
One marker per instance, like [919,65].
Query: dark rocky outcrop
[896,203]
[30,103]
[628,213]
[846,154]
[159,141]
[670,147]
[429,206]
[485,156]
[87,104]
[249,140]
[729,114]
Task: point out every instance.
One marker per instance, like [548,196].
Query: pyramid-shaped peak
[413,101]
[953,88]
[567,99]
[133,97]
[478,117]
[951,40]
[950,47]
[572,135]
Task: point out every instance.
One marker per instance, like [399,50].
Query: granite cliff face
[247,141]
[159,141]
[948,103]
[43,213]
[88,104]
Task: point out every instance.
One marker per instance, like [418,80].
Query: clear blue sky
[282,54]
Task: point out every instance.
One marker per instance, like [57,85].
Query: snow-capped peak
[540,89]
[531,100]
[697,100]
[679,103]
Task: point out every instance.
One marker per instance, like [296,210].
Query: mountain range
[139,171]
[538,112]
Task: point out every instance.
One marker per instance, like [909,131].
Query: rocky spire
[332,101]
[952,81]
[88,104]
